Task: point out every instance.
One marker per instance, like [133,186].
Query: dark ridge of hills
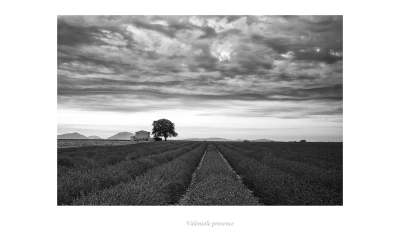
[71,136]
[207,139]
[261,140]
[223,139]
[94,137]
[121,136]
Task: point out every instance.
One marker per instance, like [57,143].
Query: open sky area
[234,77]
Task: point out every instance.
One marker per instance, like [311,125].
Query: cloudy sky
[247,77]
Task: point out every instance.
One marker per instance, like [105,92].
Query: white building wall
[142,135]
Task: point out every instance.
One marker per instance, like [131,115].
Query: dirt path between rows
[184,196]
[221,162]
[237,176]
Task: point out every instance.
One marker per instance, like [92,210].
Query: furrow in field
[193,177]
[162,185]
[87,159]
[331,179]
[259,152]
[75,184]
[327,156]
[274,187]
[215,183]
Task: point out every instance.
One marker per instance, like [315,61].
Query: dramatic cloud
[281,69]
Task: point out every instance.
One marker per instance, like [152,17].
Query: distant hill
[261,140]
[207,139]
[121,136]
[94,137]
[71,136]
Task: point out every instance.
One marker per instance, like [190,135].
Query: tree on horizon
[164,128]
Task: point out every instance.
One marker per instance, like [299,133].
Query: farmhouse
[141,136]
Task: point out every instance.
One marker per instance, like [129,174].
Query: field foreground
[201,173]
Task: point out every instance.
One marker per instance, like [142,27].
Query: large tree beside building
[164,128]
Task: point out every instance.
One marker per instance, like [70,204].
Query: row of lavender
[289,174]
[87,170]
[161,174]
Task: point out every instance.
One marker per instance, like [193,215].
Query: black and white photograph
[200,110]
[200,125]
